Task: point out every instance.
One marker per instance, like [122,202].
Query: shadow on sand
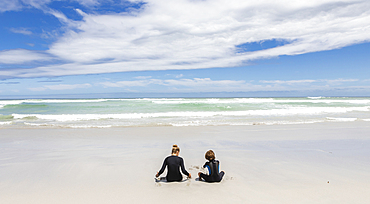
[164,180]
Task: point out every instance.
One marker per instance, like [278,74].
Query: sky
[195,48]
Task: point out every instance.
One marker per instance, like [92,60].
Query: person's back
[213,166]
[213,170]
[174,163]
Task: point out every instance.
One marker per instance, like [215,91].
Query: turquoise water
[105,113]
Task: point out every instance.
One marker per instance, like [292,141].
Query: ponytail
[175,149]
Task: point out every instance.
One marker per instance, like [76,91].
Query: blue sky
[93,48]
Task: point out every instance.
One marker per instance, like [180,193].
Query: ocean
[110,113]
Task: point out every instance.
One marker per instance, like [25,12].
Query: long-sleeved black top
[173,164]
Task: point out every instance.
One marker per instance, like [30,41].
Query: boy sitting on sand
[213,169]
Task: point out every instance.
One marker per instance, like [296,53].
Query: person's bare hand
[189,175]
[156,175]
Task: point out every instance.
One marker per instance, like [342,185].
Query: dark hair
[175,149]
[210,155]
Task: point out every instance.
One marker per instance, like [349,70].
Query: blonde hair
[210,155]
[175,149]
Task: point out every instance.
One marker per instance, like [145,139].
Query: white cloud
[185,85]
[209,85]
[186,34]
[39,4]
[127,83]
[88,2]
[23,31]
[288,82]
[143,77]
[203,82]
[20,56]
[308,81]
[332,81]
[15,5]
[61,87]
[59,15]
[9,5]
[196,82]
[68,86]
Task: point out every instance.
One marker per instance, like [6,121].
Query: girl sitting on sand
[213,167]
[173,163]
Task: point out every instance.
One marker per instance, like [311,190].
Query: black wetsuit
[173,164]
[213,170]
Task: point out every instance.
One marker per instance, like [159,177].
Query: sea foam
[342,119]
[272,112]
[104,113]
[6,123]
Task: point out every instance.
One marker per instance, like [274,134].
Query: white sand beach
[307,163]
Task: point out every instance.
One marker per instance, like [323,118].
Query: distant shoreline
[176,95]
